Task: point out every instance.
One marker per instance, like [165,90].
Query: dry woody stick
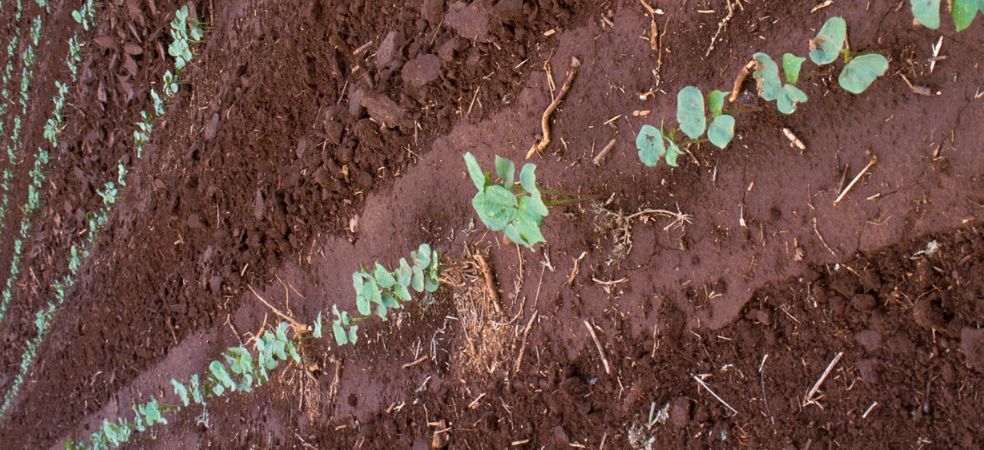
[874,160]
[489,281]
[545,120]
[604,152]
[816,387]
[601,350]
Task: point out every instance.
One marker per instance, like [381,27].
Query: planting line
[96,219]
[37,172]
[7,76]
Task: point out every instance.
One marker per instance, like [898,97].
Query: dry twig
[493,293]
[601,350]
[545,120]
[298,327]
[604,152]
[740,80]
[874,160]
[816,386]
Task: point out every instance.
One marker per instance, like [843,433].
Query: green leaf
[353,334]
[371,292]
[526,231]
[791,67]
[767,77]
[383,277]
[496,207]
[338,328]
[505,169]
[926,12]
[715,102]
[650,144]
[722,130]
[863,70]
[527,177]
[535,204]
[317,326]
[789,97]
[690,112]
[221,374]
[964,12]
[475,171]
[292,350]
[417,280]
[672,152]
[196,391]
[826,47]
[181,391]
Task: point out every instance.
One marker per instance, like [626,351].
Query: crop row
[109,192]
[13,145]
[241,370]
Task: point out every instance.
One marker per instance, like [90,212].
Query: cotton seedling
[184,33]
[927,12]
[86,14]
[857,76]
[655,144]
[516,209]
[170,84]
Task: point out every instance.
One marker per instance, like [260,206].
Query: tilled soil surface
[310,137]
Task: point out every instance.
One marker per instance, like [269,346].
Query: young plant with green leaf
[516,209]
[857,76]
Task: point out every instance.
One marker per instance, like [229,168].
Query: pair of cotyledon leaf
[860,71]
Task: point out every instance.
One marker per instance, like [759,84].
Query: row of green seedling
[241,370]
[95,220]
[37,172]
[6,79]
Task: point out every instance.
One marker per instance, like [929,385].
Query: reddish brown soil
[289,126]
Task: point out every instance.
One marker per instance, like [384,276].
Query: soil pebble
[863,302]
[928,314]
[422,70]
[680,412]
[383,109]
[387,48]
[972,347]
[469,21]
[212,127]
[869,339]
[431,10]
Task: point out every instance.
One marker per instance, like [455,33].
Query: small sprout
[861,71]
[791,67]
[715,102]
[827,46]
[771,88]
[181,391]
[516,211]
[767,77]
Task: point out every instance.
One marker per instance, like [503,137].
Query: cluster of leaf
[36,30]
[53,126]
[86,14]
[184,33]
[927,12]
[74,56]
[239,370]
[379,290]
[655,144]
[858,74]
[242,370]
[515,209]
